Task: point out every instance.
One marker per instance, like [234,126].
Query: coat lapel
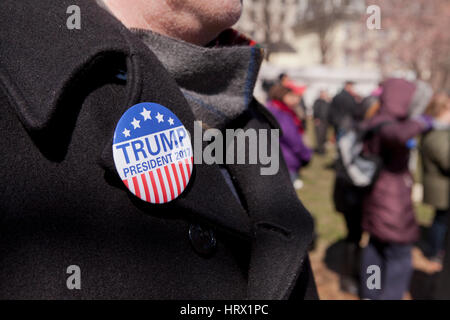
[278,225]
[282,229]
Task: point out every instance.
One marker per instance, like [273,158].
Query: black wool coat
[342,109]
[62,202]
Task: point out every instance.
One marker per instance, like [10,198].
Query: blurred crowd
[374,138]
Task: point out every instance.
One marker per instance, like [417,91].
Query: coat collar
[233,68]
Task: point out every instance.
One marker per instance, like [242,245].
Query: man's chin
[232,13]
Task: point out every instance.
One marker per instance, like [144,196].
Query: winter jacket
[295,152]
[321,109]
[342,108]
[435,152]
[388,213]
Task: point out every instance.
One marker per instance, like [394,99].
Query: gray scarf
[218,82]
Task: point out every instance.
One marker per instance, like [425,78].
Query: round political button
[153,152]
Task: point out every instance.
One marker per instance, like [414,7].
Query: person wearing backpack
[388,214]
[349,189]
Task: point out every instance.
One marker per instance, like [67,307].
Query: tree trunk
[324,46]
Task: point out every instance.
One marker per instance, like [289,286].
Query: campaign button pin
[153,152]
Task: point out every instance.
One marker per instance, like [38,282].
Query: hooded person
[388,214]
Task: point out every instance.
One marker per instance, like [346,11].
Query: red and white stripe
[163,184]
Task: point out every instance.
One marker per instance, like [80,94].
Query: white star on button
[171,121]
[146,114]
[135,123]
[126,132]
[159,116]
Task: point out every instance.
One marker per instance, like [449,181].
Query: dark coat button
[202,239]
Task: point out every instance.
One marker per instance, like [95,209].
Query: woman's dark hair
[281,76]
[278,91]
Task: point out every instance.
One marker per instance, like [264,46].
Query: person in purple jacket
[388,214]
[282,102]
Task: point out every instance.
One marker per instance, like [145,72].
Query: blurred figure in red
[282,102]
[299,108]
